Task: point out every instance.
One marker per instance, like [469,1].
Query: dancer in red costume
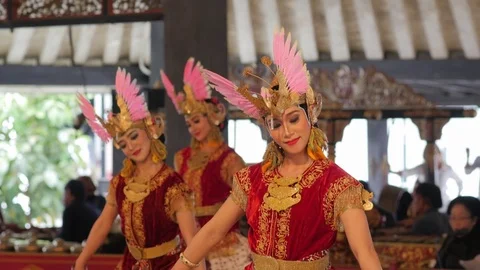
[154,204]
[208,164]
[296,199]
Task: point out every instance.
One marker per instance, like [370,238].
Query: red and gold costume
[145,205]
[149,222]
[293,220]
[208,174]
[300,235]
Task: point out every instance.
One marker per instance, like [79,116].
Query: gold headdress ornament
[196,94]
[289,87]
[197,98]
[133,114]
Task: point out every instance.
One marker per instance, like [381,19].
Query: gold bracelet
[187,262]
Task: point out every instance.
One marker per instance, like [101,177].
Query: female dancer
[296,200]
[152,200]
[208,165]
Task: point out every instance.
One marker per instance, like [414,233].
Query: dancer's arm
[97,235]
[186,222]
[358,235]
[212,233]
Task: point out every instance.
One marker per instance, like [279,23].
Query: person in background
[427,199]
[463,243]
[434,169]
[96,201]
[78,216]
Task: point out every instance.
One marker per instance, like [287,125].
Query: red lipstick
[293,142]
[136,152]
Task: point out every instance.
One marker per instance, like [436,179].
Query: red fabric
[214,188]
[308,232]
[158,227]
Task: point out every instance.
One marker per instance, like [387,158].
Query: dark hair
[431,193]
[365,185]
[77,189]
[162,138]
[471,203]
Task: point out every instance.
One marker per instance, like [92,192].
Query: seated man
[78,216]
[427,199]
[95,201]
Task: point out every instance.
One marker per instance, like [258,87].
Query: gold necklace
[284,192]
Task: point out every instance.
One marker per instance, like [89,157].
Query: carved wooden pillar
[334,130]
[430,130]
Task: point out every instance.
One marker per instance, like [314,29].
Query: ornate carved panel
[3,10]
[43,9]
[117,7]
[364,89]
[348,89]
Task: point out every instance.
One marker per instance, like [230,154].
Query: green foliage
[39,153]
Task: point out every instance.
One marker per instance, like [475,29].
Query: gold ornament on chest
[198,160]
[283,193]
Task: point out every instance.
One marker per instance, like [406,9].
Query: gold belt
[153,252]
[209,210]
[261,262]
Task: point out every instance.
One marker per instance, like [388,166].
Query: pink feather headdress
[289,87]
[133,110]
[196,93]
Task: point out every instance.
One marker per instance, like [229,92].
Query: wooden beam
[113,43]
[304,30]
[59,75]
[147,49]
[367,23]
[20,44]
[137,41]
[401,29]
[433,29]
[84,43]
[414,69]
[53,44]
[462,16]
[337,34]
[271,21]
[244,31]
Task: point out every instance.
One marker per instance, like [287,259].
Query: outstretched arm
[186,222]
[358,235]
[212,233]
[97,235]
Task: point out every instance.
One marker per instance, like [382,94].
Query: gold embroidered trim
[112,194]
[344,193]
[193,176]
[133,212]
[266,262]
[230,160]
[127,214]
[283,230]
[265,218]
[174,192]
[243,179]
[138,226]
[238,195]
[265,244]
[209,210]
